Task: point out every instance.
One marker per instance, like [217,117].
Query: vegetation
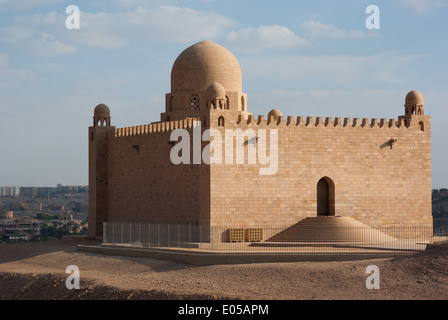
[46,216]
[56,230]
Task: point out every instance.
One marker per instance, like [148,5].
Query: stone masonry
[377,171]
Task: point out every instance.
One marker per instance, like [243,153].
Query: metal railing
[269,238]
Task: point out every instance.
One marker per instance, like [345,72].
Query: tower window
[221,121]
[422,126]
[194,102]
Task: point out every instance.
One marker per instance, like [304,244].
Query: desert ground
[36,271]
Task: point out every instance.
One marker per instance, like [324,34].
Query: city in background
[42,213]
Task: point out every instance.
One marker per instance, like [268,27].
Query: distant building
[28,191]
[33,206]
[12,230]
[9,191]
[65,216]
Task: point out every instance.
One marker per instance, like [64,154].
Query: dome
[101,111]
[202,64]
[274,112]
[414,97]
[216,91]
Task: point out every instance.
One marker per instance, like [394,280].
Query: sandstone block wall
[374,183]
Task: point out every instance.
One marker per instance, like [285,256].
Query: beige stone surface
[379,170]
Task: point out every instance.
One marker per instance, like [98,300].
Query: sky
[305,58]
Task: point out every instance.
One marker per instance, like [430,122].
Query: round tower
[414,104]
[101,115]
[99,135]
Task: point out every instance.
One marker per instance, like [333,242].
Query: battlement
[327,122]
[260,121]
[155,127]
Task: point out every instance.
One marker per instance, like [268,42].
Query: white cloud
[35,42]
[316,29]
[46,35]
[252,40]
[340,70]
[176,24]
[421,6]
[24,4]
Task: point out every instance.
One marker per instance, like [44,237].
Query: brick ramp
[332,230]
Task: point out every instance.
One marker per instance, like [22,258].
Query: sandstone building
[374,171]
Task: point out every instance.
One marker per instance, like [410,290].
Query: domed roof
[276,113]
[414,97]
[202,64]
[216,91]
[101,111]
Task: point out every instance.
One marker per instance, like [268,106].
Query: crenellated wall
[155,127]
[381,170]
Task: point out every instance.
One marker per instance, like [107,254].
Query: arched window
[221,121]
[227,102]
[243,105]
[422,126]
[194,102]
[325,197]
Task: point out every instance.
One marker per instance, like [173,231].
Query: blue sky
[306,58]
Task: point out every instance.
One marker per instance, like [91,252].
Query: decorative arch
[221,121]
[421,125]
[325,197]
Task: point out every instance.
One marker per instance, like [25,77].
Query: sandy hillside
[37,271]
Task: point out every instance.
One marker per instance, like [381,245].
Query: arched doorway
[325,197]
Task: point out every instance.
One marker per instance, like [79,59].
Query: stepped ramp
[332,230]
